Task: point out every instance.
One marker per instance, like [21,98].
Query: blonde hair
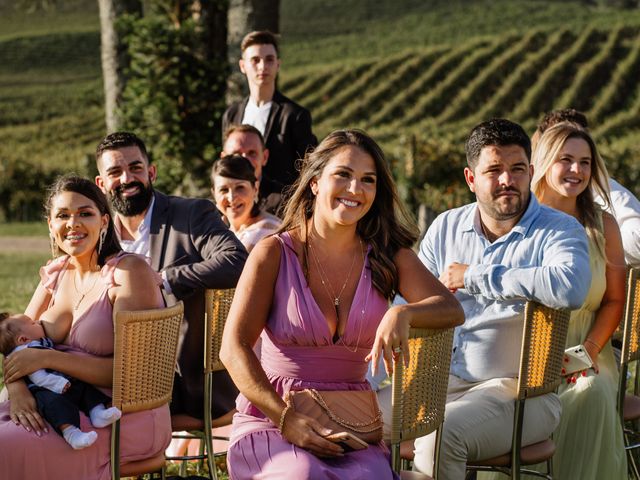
[547,152]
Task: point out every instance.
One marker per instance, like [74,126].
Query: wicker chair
[217,304]
[146,349]
[543,345]
[629,405]
[419,393]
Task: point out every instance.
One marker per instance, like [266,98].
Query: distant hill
[399,68]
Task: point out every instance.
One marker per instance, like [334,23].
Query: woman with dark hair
[79,292]
[318,294]
[568,172]
[235,190]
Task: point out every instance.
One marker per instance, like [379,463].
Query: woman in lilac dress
[75,300]
[318,294]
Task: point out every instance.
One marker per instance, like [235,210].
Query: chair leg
[633,466]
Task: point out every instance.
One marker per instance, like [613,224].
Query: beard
[514,208]
[133,205]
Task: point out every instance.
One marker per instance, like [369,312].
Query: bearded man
[188,243]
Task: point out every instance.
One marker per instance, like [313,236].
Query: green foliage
[21,190]
[399,68]
[174,97]
[431,173]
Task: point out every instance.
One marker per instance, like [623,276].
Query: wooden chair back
[217,304]
[419,390]
[145,355]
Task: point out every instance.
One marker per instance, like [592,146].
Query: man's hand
[453,276]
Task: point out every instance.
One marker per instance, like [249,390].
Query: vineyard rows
[449,89]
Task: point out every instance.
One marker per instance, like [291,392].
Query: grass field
[19,278]
[391,66]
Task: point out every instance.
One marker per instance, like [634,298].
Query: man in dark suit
[186,241]
[285,125]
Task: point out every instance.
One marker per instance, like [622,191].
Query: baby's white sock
[101,416]
[77,438]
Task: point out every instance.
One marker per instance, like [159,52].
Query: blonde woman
[568,172]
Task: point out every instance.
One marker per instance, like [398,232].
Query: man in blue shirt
[495,254]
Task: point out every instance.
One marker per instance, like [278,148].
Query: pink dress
[143,434]
[298,352]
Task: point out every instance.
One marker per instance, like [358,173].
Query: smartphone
[347,441]
[576,360]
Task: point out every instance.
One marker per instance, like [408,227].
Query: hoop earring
[103,234]
[54,247]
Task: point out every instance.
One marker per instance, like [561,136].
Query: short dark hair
[7,334]
[564,115]
[260,37]
[117,140]
[244,128]
[238,168]
[87,188]
[495,132]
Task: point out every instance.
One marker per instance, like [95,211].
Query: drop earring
[54,247]
[103,234]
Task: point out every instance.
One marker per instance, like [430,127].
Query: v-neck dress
[142,434]
[298,352]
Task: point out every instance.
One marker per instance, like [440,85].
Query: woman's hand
[305,432]
[593,351]
[23,410]
[22,363]
[392,338]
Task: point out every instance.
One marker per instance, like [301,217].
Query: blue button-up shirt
[544,257]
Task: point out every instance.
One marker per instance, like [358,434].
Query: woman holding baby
[88,280]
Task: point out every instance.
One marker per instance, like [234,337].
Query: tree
[175,92]
[246,16]
[114,55]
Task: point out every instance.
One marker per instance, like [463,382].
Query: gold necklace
[327,285]
[83,294]
[336,300]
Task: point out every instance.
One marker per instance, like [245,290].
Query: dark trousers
[64,408]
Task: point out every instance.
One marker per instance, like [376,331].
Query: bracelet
[283,415]
[595,344]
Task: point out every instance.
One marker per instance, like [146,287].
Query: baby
[59,398]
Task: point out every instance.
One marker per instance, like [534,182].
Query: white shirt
[257,116]
[626,209]
[142,243]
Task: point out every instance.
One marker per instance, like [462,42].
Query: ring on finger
[397,349]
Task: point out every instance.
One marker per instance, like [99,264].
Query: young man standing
[284,125]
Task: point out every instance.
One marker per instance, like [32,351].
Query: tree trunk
[114,55]
[246,16]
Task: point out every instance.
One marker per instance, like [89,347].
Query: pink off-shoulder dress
[297,353]
[143,434]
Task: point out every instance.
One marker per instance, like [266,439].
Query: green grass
[24,229]
[19,278]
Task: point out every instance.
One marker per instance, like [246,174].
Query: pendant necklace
[335,299]
[82,294]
